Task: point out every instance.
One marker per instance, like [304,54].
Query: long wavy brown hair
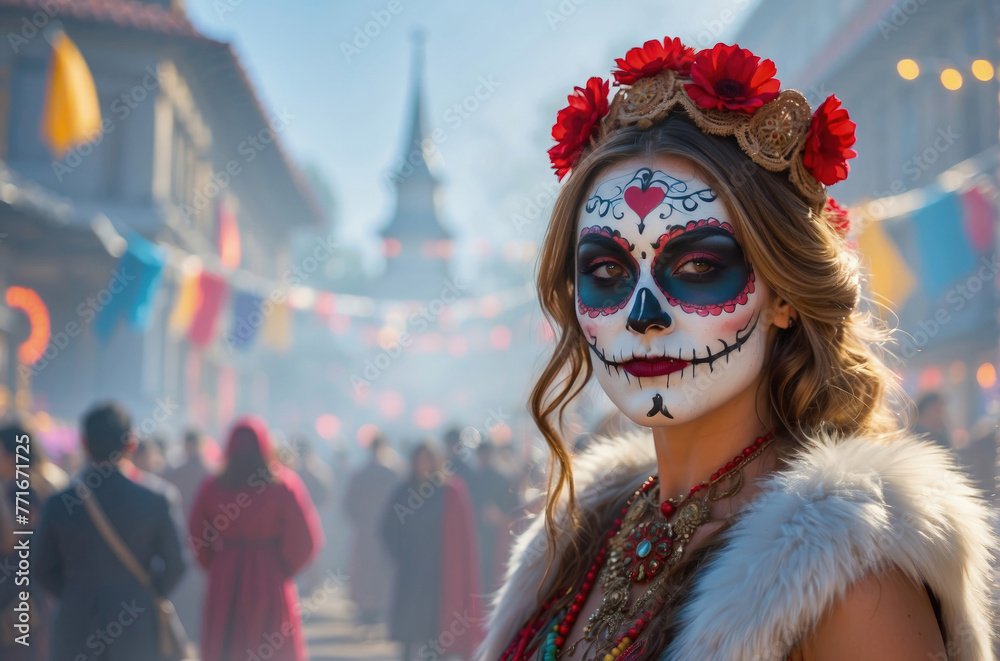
[824,374]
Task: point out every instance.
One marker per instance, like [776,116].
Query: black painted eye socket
[703,266]
[606,273]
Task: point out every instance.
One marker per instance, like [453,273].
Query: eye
[610,270]
[697,264]
[606,269]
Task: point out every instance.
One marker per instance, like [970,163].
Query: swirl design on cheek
[607,271]
[701,268]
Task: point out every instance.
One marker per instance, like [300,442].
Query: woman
[695,262]
[253,528]
[429,531]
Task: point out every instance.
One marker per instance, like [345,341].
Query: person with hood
[253,527]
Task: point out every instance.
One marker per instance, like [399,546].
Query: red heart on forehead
[644,201]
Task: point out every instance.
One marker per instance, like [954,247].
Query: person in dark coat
[495,503]
[429,530]
[104,611]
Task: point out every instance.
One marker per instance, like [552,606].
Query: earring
[791,322]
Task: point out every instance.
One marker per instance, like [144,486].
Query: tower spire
[416,217]
[413,163]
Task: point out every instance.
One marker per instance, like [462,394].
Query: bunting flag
[942,245]
[277,332]
[132,287]
[187,302]
[247,319]
[213,290]
[230,251]
[71,113]
[980,221]
[889,278]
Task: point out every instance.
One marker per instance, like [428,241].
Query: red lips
[654,366]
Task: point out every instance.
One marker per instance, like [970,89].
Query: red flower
[652,58]
[828,142]
[733,78]
[838,216]
[577,123]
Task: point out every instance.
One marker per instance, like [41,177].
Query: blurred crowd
[247,538]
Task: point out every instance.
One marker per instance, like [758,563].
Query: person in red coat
[253,527]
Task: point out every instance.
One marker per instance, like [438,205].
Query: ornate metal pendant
[646,550]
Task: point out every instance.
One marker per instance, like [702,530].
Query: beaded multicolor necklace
[636,556]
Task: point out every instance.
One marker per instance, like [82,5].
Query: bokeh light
[951,79]
[327,426]
[986,375]
[500,433]
[500,338]
[366,433]
[931,378]
[983,70]
[392,247]
[391,403]
[427,416]
[908,69]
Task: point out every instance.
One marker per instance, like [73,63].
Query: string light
[908,69]
[983,70]
[951,79]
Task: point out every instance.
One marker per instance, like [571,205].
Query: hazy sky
[348,95]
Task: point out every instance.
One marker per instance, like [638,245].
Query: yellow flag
[71,113]
[890,280]
[187,302]
[277,331]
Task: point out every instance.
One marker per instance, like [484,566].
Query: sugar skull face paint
[665,296]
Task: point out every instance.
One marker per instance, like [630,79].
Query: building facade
[188,160]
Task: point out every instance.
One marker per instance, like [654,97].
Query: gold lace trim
[772,136]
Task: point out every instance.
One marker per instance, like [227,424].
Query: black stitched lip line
[709,359]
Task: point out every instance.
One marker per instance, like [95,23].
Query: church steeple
[417,247]
[416,217]
[412,162]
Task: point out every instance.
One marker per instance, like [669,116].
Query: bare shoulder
[885,616]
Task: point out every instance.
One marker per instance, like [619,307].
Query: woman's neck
[688,453]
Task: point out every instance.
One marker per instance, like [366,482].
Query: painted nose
[647,313]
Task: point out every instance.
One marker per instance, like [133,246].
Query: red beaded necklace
[528,640]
